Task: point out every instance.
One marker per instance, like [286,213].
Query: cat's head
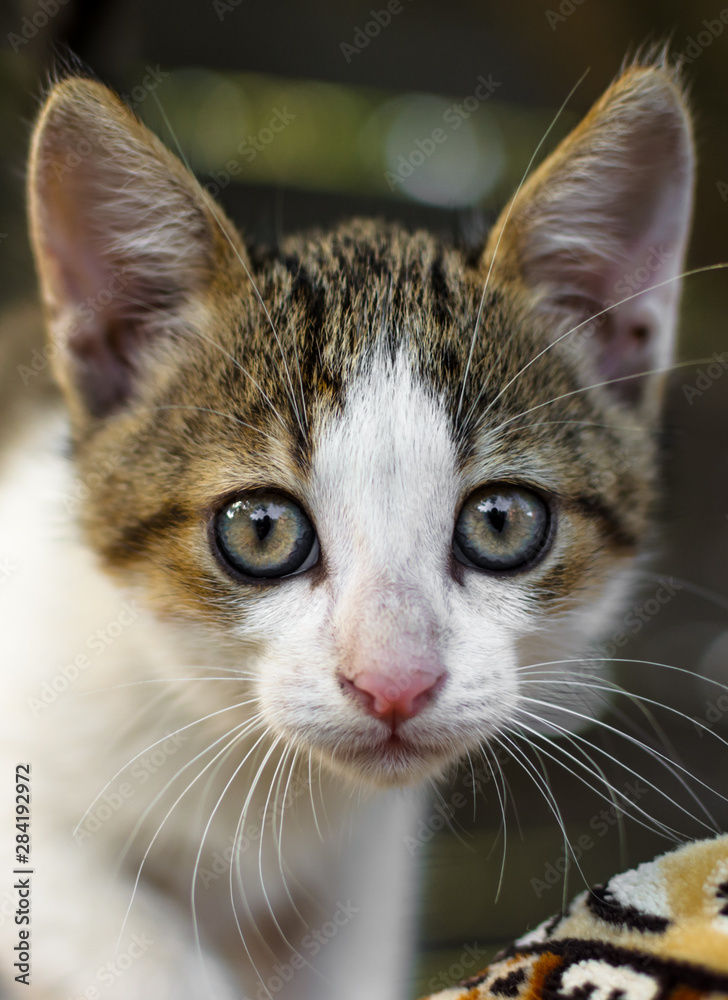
[377,475]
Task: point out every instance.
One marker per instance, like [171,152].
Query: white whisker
[526,173]
[599,385]
[223,229]
[213,343]
[651,751]
[597,315]
[519,756]
[163,739]
[179,798]
[504,822]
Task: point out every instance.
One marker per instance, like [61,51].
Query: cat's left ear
[604,222]
[127,245]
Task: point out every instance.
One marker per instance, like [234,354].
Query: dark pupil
[263,525]
[497,518]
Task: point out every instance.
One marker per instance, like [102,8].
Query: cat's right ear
[124,240]
[600,229]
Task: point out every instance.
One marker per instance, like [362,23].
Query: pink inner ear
[638,332]
[604,222]
[122,237]
[103,328]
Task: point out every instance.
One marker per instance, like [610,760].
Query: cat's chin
[392,763]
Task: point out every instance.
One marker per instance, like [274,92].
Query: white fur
[384,492]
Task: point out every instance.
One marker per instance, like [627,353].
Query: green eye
[501,528]
[266,535]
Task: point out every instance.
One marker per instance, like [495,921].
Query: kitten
[324,510]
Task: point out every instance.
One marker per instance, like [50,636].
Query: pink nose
[391,698]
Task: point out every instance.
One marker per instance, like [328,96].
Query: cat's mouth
[392,760]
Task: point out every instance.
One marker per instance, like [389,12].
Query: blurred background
[301,114]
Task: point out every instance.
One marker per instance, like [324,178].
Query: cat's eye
[266,535]
[501,527]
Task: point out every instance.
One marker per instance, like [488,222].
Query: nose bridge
[390,657]
[388,625]
[400,613]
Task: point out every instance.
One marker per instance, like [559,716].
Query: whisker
[613,688]
[223,229]
[597,315]
[207,409]
[248,799]
[649,823]
[278,840]
[608,687]
[564,891]
[232,676]
[213,343]
[504,824]
[598,385]
[243,727]
[310,789]
[519,756]
[526,172]
[637,700]
[624,659]
[692,588]
[654,825]
[472,773]
[163,739]
[448,820]
[169,813]
[278,769]
[235,872]
[196,866]
[593,766]
[651,751]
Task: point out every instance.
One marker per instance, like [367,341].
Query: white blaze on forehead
[384,494]
[384,483]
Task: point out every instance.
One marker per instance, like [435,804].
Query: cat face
[377,477]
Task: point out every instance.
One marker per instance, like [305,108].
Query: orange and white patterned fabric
[658,932]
